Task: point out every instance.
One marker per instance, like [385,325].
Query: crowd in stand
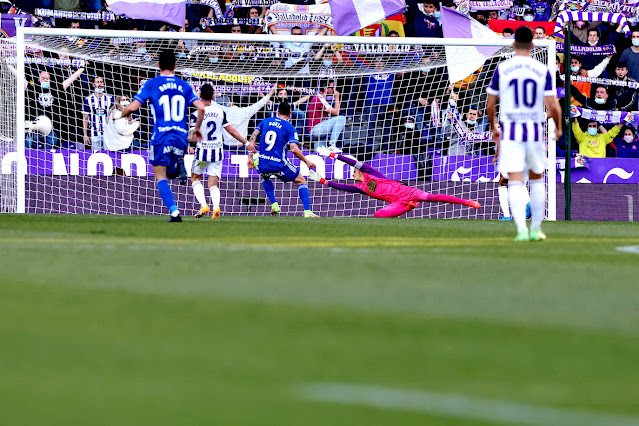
[396,109]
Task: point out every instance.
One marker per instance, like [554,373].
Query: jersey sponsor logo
[176,151]
[372,186]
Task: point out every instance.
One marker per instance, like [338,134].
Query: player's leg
[269,188]
[161,162]
[393,210]
[502,191]
[305,195]
[535,159]
[511,164]
[420,195]
[197,169]
[214,191]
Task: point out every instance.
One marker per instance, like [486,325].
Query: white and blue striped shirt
[97,108]
[209,149]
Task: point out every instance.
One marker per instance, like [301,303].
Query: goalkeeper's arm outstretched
[371,182]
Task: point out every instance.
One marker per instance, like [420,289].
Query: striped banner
[567,16]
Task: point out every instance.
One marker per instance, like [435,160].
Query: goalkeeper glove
[313,175]
[325,152]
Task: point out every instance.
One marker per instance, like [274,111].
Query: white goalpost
[397,112]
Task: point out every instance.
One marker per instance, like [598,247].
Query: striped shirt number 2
[173,108]
[529,90]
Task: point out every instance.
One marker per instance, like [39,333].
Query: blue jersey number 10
[173,107]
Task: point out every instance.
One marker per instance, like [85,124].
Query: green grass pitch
[291,321]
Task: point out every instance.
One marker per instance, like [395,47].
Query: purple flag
[9,22]
[169,11]
[350,16]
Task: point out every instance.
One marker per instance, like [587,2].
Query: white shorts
[521,157]
[205,167]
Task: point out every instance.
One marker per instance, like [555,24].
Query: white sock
[503,200]
[537,202]
[215,196]
[198,190]
[517,199]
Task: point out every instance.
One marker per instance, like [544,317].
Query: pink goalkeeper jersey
[385,189]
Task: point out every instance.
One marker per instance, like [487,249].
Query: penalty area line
[457,405]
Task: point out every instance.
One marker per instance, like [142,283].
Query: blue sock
[270,190]
[167,195]
[305,196]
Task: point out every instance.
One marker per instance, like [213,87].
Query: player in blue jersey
[276,133]
[170,98]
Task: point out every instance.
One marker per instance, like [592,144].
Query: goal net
[398,112]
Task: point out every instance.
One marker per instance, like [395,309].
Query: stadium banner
[628,8]
[76,16]
[71,162]
[487,5]
[350,16]
[606,50]
[311,19]
[231,21]
[498,25]
[9,22]
[480,169]
[606,81]
[604,117]
[67,162]
[565,16]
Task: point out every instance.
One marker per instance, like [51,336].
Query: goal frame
[22,32]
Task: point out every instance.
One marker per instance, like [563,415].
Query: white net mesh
[395,113]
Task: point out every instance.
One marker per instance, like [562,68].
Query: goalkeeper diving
[371,182]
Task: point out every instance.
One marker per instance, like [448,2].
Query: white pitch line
[628,249]
[456,405]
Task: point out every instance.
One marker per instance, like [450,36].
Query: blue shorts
[167,151]
[286,172]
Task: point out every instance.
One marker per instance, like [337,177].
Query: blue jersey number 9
[173,107]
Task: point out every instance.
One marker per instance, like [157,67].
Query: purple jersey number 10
[529,90]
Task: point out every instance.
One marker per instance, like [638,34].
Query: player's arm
[491,111]
[253,140]
[313,175]
[200,117]
[363,167]
[85,127]
[132,107]
[237,135]
[554,111]
[298,153]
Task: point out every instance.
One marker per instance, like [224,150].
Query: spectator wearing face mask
[118,134]
[422,24]
[631,56]
[94,115]
[627,146]
[529,15]
[458,131]
[593,143]
[584,87]
[602,101]
[626,96]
